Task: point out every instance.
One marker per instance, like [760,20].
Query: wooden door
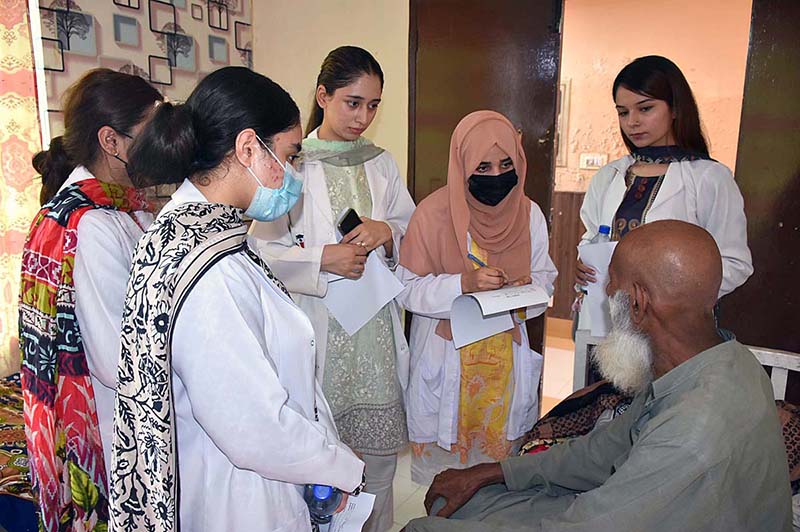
[765,312]
[566,232]
[467,55]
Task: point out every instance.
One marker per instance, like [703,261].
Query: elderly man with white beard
[700,447]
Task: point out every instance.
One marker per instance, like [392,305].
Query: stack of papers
[598,257]
[474,317]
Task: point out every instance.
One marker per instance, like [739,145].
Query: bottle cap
[322,492]
[605,230]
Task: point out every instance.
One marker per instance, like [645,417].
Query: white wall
[707,40]
[292,38]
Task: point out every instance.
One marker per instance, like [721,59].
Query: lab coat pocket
[524,409]
[427,375]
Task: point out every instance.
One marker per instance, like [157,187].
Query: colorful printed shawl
[66,452]
[180,246]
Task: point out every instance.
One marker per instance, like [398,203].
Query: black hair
[340,68]
[102,97]
[658,77]
[184,139]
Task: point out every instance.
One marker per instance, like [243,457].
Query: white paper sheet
[354,515]
[474,317]
[598,257]
[512,297]
[354,302]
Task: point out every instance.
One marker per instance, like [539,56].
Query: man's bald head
[676,262]
[663,283]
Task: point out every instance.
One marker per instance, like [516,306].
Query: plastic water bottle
[603,235]
[322,502]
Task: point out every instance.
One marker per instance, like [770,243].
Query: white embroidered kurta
[245,392]
[313,225]
[432,396]
[106,240]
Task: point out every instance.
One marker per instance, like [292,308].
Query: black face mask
[491,189]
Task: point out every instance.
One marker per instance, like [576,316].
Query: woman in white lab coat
[217,398]
[669,173]
[480,232]
[79,251]
[362,375]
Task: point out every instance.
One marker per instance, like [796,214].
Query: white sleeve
[102,266]
[399,210]
[220,357]
[543,271]
[721,213]
[297,267]
[430,295]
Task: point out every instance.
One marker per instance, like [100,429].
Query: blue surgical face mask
[271,203]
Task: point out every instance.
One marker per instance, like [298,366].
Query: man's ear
[640,303]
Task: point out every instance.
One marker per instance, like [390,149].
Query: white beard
[625,357]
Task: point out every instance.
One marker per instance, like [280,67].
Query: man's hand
[458,486]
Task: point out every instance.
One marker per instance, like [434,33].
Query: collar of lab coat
[672,184]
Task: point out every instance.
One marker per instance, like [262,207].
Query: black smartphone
[348,221]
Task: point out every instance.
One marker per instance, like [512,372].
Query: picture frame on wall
[562,122]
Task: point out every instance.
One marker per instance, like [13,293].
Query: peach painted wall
[707,40]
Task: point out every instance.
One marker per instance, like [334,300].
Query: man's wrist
[490,474]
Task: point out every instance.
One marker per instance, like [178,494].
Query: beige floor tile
[412,508]
[403,489]
[558,364]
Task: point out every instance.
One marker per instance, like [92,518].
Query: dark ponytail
[340,68]
[165,149]
[54,166]
[184,140]
[102,97]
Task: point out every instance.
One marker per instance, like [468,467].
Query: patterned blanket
[17,502]
[14,479]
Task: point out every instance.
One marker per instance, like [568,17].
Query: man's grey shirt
[700,450]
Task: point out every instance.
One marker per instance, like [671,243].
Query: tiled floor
[558,362]
[559,355]
[408,495]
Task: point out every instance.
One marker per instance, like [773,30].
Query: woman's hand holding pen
[482,279]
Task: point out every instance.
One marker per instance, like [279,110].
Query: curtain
[20,139]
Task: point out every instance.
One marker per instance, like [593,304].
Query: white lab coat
[106,240]
[244,392]
[432,397]
[312,222]
[700,192]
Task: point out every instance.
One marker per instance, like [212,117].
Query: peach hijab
[436,241]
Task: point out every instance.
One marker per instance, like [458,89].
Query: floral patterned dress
[485,393]
[360,379]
